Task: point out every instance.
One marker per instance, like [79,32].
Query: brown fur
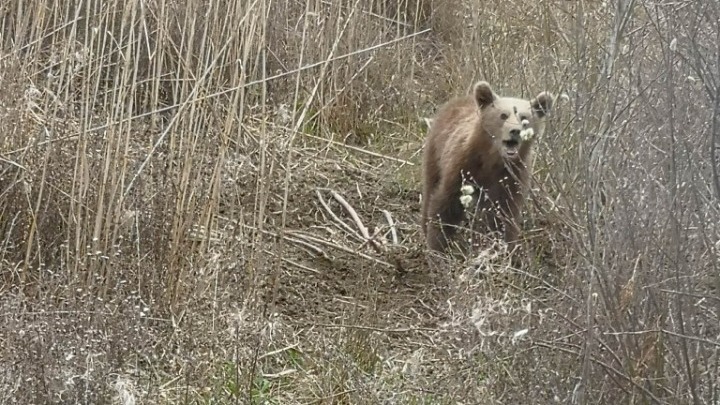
[478,135]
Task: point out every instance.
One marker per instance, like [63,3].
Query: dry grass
[187,191]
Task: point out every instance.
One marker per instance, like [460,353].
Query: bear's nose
[515,134]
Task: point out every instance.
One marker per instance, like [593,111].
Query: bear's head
[511,122]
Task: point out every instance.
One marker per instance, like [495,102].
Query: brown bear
[477,158]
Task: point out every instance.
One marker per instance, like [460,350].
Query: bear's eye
[523,118]
[503,116]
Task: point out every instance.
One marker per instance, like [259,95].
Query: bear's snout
[515,135]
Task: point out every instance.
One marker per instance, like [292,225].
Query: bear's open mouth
[511,144]
[511,148]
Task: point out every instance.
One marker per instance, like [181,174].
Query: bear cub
[477,158]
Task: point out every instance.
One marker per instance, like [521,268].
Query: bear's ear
[484,95]
[542,104]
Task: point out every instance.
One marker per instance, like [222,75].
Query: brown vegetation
[218,202]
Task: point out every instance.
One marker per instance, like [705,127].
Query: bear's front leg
[436,239]
[445,213]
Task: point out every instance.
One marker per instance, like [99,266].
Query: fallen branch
[340,247]
[361,227]
[364,233]
[336,218]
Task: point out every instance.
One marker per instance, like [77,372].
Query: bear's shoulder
[456,112]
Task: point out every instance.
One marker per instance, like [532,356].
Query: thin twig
[393,230]
[340,144]
[292,262]
[13,163]
[375,329]
[302,243]
[278,351]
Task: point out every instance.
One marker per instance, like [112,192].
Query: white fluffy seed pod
[527,134]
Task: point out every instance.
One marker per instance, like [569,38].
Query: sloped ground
[313,314]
